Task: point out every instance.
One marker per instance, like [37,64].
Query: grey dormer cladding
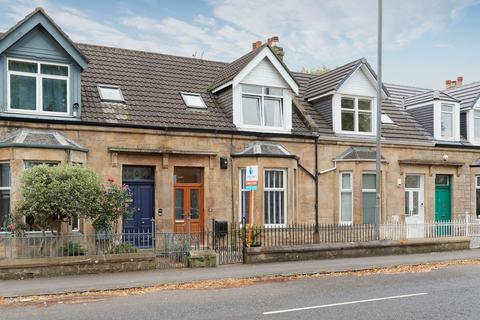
[424,115]
[325,107]
[463,124]
[46,139]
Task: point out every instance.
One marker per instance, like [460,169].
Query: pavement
[449,293]
[110,281]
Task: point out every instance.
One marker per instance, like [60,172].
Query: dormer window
[109,93]
[37,87]
[356,115]
[447,121]
[476,123]
[262,106]
[193,100]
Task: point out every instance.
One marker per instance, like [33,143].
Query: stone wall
[221,186]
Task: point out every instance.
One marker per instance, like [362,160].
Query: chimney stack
[459,81]
[454,83]
[256,45]
[274,43]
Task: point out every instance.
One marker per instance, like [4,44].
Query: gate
[473,230]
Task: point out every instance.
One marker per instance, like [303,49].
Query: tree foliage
[52,195]
[316,71]
[114,206]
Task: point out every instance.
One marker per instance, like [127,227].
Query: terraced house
[180,132]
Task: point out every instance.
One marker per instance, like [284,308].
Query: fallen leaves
[95,296]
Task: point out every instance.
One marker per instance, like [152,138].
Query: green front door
[443,198]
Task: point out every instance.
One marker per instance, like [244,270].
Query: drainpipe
[317,235]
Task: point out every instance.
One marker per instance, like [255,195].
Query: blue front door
[138,227]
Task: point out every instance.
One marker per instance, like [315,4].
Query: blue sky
[425,41]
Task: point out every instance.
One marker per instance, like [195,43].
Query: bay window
[356,115]
[262,106]
[346,198]
[477,195]
[5,184]
[38,87]
[274,197]
[244,198]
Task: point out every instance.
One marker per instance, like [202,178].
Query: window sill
[264,129]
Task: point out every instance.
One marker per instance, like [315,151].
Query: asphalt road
[452,293]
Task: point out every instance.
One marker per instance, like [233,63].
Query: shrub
[124,248]
[74,249]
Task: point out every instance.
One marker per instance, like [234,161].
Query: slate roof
[264,149]
[428,96]
[232,69]
[398,93]
[468,94]
[151,84]
[358,154]
[331,80]
[40,139]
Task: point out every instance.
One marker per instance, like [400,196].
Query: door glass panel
[133,173]
[187,175]
[415,203]
[407,203]
[194,204]
[179,204]
[412,182]
[442,180]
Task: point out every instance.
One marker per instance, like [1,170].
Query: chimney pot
[448,83]
[459,81]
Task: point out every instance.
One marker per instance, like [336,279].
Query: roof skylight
[110,93]
[193,100]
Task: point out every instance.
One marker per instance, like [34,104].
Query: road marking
[346,303]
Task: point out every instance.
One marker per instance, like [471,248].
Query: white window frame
[184,94]
[9,188]
[39,97]
[470,123]
[477,187]
[109,86]
[282,189]
[262,96]
[356,113]
[345,190]
[453,117]
[241,189]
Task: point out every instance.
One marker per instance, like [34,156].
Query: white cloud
[313,32]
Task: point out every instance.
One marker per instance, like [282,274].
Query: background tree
[316,71]
[52,195]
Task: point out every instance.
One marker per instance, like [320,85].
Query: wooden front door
[188,200]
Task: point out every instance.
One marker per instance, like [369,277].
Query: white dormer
[355,104]
[262,95]
[446,120]
[473,124]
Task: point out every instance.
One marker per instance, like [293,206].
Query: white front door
[414,214]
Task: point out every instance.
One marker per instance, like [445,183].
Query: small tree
[54,195]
